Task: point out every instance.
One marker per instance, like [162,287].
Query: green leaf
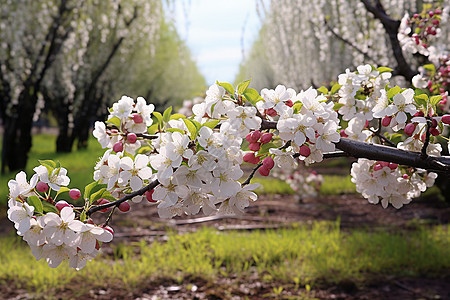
[114,121]
[421,100]
[384,69]
[323,90]
[167,113]
[252,96]
[338,105]
[153,129]
[393,91]
[431,68]
[211,124]
[88,189]
[158,117]
[265,148]
[37,203]
[144,150]
[228,87]
[335,88]
[97,195]
[197,124]
[177,116]
[243,86]
[297,107]
[49,207]
[62,190]
[176,130]
[435,99]
[191,127]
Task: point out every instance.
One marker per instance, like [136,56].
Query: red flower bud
[304,151]
[266,137]
[268,162]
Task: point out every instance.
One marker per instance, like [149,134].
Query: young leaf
[265,148]
[62,190]
[167,113]
[175,130]
[49,207]
[297,107]
[335,88]
[421,100]
[153,129]
[252,96]
[243,86]
[384,69]
[211,124]
[114,121]
[88,189]
[393,91]
[338,105]
[191,127]
[323,90]
[97,195]
[37,203]
[435,99]
[158,117]
[228,87]
[177,116]
[431,68]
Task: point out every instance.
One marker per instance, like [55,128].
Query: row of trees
[304,43]
[74,58]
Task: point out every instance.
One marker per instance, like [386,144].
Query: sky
[214,31]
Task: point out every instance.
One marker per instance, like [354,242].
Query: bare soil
[270,212]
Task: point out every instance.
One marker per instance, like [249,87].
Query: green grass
[79,164]
[319,254]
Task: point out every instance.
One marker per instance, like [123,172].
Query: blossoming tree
[185,165]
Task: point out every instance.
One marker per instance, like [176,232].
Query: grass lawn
[314,255]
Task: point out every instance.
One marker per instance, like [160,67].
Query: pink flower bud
[409,128]
[415,15]
[131,138]
[438,11]
[41,187]
[118,147]
[393,166]
[268,162]
[264,171]
[434,123]
[377,167]
[386,121]
[434,131]
[249,157]
[343,134]
[137,118]
[149,196]
[366,124]
[405,176]
[383,163]
[435,22]
[74,194]
[266,137]
[304,151]
[446,119]
[61,204]
[271,112]
[124,206]
[289,103]
[254,146]
[253,137]
[431,13]
[419,114]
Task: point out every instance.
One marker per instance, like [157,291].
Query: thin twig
[427,139]
[247,181]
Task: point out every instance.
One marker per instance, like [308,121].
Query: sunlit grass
[316,255]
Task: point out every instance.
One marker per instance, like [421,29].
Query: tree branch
[358,149]
[140,192]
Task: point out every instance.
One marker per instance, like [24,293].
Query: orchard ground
[336,246]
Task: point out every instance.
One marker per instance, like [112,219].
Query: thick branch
[358,149]
[391,26]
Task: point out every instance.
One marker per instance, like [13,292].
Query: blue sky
[213,30]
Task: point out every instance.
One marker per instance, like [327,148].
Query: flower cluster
[53,230]
[387,182]
[305,183]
